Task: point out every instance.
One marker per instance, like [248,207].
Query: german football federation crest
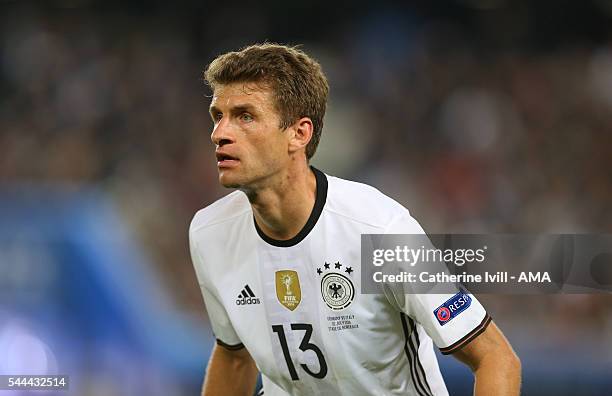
[288,289]
[337,289]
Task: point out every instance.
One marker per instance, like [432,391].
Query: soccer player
[278,260]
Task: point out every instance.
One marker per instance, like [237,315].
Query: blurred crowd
[470,140]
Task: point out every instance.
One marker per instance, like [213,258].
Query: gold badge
[288,289]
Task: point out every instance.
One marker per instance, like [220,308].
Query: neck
[282,208]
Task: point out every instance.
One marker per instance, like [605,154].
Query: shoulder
[226,209]
[362,203]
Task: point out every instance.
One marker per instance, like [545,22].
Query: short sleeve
[219,319]
[453,319]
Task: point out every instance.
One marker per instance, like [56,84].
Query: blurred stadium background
[478,115]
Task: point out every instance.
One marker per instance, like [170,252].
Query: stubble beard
[228,183]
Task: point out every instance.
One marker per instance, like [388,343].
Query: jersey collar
[321,197]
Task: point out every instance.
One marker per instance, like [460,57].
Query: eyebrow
[234,109]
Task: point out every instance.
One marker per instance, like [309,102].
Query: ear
[302,133]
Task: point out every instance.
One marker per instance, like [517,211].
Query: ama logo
[452,307]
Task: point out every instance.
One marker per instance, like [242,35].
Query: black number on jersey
[305,345]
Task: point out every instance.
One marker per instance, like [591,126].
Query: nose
[222,134]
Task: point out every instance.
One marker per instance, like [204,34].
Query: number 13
[304,346]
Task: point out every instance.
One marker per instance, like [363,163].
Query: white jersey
[297,308]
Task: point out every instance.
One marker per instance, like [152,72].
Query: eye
[217,116]
[246,117]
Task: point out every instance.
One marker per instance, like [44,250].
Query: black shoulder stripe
[468,337]
[417,343]
[230,347]
[409,349]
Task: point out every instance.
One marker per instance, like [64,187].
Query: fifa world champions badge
[288,291]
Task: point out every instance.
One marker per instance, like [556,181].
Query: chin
[229,181]
[232,178]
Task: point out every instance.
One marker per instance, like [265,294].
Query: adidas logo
[247,297]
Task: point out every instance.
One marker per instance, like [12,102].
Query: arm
[230,373]
[496,367]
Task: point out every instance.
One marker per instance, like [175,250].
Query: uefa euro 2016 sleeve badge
[288,290]
[337,289]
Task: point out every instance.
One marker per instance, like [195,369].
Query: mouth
[226,160]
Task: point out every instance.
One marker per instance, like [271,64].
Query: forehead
[230,95]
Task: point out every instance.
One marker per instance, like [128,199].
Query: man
[278,260]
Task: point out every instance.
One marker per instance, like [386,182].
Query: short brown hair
[297,81]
